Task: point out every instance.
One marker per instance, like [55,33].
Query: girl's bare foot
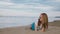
[43,30]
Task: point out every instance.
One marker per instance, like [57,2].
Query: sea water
[12,21]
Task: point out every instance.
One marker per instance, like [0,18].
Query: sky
[29,7]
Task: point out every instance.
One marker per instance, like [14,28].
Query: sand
[25,30]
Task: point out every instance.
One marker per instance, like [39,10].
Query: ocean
[13,21]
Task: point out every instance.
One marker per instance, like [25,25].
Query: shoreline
[54,23]
[53,28]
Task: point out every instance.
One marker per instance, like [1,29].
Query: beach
[53,28]
[23,16]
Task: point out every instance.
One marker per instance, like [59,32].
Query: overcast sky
[29,7]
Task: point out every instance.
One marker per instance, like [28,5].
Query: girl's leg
[43,27]
[46,25]
[36,27]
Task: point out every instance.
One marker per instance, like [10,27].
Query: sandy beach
[54,28]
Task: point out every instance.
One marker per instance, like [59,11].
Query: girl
[43,20]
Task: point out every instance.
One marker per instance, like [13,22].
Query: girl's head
[44,17]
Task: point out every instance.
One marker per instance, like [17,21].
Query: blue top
[33,26]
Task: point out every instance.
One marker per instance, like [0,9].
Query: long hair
[43,20]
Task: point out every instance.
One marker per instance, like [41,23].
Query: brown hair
[43,20]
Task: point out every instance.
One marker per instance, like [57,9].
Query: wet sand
[54,28]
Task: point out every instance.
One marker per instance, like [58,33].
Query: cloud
[57,0]
[28,7]
[5,3]
[23,6]
[27,10]
[16,13]
[53,3]
[56,9]
[6,0]
[53,0]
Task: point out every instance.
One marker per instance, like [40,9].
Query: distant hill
[57,17]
